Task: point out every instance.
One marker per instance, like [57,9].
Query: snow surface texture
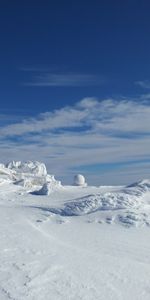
[67,243]
[128,206]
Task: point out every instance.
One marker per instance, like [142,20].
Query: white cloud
[90,132]
[103,117]
[64,80]
[143,83]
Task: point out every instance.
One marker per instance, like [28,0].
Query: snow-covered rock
[36,168]
[48,186]
[30,175]
[45,190]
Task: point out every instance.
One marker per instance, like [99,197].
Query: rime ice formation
[28,174]
[6,174]
[45,190]
[79,180]
[31,167]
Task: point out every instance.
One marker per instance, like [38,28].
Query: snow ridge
[129,197]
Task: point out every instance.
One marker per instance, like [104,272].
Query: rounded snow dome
[79,180]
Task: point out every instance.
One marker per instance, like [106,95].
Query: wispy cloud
[90,132]
[108,117]
[144,84]
[65,80]
[41,76]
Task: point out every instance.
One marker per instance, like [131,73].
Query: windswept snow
[67,242]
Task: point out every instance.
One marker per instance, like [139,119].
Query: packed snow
[72,242]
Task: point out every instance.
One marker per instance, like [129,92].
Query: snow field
[72,242]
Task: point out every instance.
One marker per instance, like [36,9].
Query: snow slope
[86,243]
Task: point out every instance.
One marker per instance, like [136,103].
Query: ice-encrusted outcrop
[30,174]
[36,168]
[6,174]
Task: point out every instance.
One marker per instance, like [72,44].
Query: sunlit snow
[72,242]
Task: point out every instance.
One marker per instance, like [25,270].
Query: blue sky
[75,87]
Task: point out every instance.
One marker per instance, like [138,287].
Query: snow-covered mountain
[71,242]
